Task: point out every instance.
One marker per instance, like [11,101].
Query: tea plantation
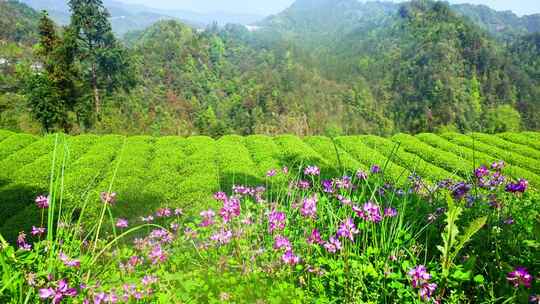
[149,172]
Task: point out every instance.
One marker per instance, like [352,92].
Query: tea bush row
[5,134]
[235,164]
[507,145]
[199,174]
[437,157]
[163,173]
[411,161]
[14,143]
[336,156]
[508,156]
[368,157]
[476,157]
[297,153]
[520,138]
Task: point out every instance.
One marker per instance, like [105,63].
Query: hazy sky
[266,7]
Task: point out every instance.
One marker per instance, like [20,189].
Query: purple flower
[281,242]
[21,242]
[122,223]
[312,170]
[535,299]
[481,172]
[375,169]
[276,220]
[521,186]
[333,245]
[315,237]
[57,294]
[230,210]
[427,290]
[509,221]
[347,229]
[243,190]
[328,186]
[420,279]
[390,212]
[459,190]
[419,275]
[222,237]
[208,218]
[309,207]
[67,261]
[520,276]
[271,173]
[37,230]
[178,211]
[108,197]
[361,175]
[290,258]
[42,202]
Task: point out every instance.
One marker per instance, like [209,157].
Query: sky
[267,7]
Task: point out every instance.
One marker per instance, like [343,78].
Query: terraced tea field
[150,172]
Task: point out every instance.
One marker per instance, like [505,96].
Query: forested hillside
[319,67]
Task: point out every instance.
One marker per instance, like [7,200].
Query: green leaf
[479,279]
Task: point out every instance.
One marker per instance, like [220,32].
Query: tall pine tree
[103,59]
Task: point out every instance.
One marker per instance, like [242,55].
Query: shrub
[5,134]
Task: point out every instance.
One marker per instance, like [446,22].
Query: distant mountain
[132,17]
[18,22]
[499,22]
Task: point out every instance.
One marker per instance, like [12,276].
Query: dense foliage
[319,67]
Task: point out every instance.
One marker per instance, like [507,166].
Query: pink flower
[220,196]
[361,175]
[67,261]
[312,170]
[390,212]
[163,212]
[230,210]
[370,212]
[309,207]
[57,294]
[315,237]
[149,280]
[271,173]
[108,197]
[223,237]
[276,220]
[208,218]
[178,211]
[347,229]
[333,245]
[281,242]
[157,255]
[290,258]
[420,279]
[42,202]
[285,170]
[147,219]
[37,230]
[520,276]
[122,223]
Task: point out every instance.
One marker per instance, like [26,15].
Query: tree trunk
[97,103]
